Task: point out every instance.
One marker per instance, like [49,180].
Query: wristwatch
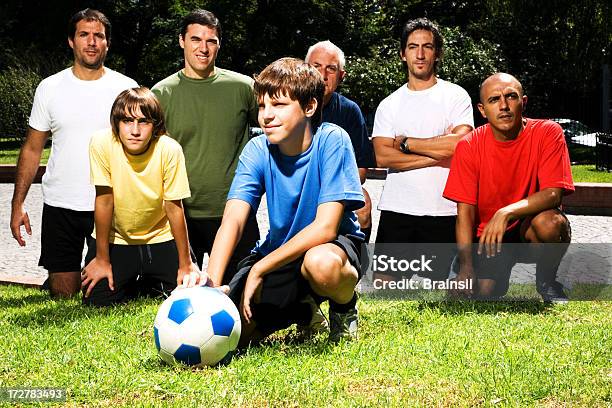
[404,146]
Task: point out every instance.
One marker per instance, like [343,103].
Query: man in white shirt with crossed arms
[415,132]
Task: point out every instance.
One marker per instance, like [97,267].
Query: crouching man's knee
[550,226]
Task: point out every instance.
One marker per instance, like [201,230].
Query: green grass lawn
[10,155]
[410,353]
[586,173]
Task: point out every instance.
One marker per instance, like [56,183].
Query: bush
[17,87]
[369,80]
[466,62]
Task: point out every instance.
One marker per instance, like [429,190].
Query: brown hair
[423,23]
[133,99]
[295,78]
[89,15]
[201,17]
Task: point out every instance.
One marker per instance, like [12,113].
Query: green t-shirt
[210,119]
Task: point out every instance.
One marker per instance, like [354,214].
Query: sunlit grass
[410,353]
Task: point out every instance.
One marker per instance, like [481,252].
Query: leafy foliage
[370,79]
[466,62]
[17,86]
[555,48]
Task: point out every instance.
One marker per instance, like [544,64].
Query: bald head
[499,80]
[502,102]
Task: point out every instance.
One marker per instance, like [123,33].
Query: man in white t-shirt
[415,132]
[69,106]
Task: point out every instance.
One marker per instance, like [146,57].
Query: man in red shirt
[508,178]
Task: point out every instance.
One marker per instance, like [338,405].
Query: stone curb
[7,173]
[588,199]
[21,281]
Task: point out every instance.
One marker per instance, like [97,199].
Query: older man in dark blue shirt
[329,60]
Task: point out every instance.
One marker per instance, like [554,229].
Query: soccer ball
[196,326]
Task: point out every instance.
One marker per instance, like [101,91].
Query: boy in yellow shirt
[139,245]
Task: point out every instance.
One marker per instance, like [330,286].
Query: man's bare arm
[439,147]
[362,174]
[491,237]
[392,158]
[464,233]
[27,166]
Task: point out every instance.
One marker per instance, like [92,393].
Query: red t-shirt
[491,174]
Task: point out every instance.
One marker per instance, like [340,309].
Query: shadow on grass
[515,303]
[460,307]
[277,346]
[65,312]
[31,298]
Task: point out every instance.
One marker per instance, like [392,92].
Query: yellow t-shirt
[140,185]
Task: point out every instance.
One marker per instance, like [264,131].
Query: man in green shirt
[207,110]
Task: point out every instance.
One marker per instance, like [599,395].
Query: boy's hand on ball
[94,272]
[190,276]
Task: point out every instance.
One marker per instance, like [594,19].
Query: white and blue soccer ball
[197,326]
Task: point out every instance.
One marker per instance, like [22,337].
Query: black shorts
[280,304]
[138,270]
[395,228]
[499,267]
[63,234]
[202,234]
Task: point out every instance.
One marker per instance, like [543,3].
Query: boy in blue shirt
[310,177]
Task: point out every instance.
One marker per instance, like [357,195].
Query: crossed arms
[423,152]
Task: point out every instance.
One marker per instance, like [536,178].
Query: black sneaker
[343,325]
[552,293]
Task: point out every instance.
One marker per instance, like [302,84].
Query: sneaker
[552,293]
[318,323]
[343,325]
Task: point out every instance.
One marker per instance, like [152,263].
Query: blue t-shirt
[346,114]
[296,185]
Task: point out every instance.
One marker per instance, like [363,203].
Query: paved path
[20,264]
